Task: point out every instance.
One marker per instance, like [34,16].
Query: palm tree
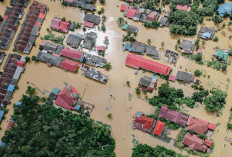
[162,45]
[120,20]
[138,91]
[109,115]
[149,41]
[128,83]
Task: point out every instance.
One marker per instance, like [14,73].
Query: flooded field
[125,103]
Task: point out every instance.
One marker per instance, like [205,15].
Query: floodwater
[125,103]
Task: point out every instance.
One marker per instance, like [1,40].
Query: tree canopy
[143,150]
[43,130]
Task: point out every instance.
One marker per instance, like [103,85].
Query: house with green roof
[221,54]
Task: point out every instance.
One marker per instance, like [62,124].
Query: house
[69,65]
[164,22]
[153,16]
[184,76]
[194,143]
[72,54]
[30,27]
[206,33]
[148,83]
[88,24]
[2,56]
[208,143]
[91,18]
[94,60]
[224,8]
[221,54]
[101,48]
[94,74]
[199,126]
[151,51]
[74,40]
[143,122]
[50,59]
[67,98]
[131,13]
[173,116]
[10,123]
[90,40]
[182,7]
[172,78]
[55,23]
[124,7]
[138,62]
[130,28]
[87,5]
[52,48]
[59,25]
[64,26]
[1,115]
[138,47]
[187,46]
[158,128]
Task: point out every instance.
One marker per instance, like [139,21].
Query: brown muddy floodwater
[121,107]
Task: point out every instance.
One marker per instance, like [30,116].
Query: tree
[197,72]
[55,132]
[216,101]
[180,93]
[149,41]
[102,1]
[27,59]
[34,58]
[107,66]
[224,67]
[137,90]
[109,115]
[1,18]
[120,20]
[217,19]
[128,83]
[215,39]
[30,90]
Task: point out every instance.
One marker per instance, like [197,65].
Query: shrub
[197,72]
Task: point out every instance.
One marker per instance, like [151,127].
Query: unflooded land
[124,103]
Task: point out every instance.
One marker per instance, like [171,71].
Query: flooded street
[125,103]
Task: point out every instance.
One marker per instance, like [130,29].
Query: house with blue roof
[223,8]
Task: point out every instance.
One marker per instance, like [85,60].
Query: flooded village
[100,60]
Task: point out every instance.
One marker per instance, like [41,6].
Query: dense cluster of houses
[13,68]
[191,124]
[141,48]
[143,15]
[10,23]
[87,5]
[57,55]
[30,27]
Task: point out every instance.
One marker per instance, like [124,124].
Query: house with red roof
[124,7]
[158,128]
[72,54]
[131,13]
[63,26]
[208,143]
[69,65]
[20,63]
[180,7]
[88,24]
[143,122]
[138,62]
[199,126]
[173,116]
[67,98]
[55,23]
[59,25]
[153,16]
[194,142]
[10,123]
[101,48]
